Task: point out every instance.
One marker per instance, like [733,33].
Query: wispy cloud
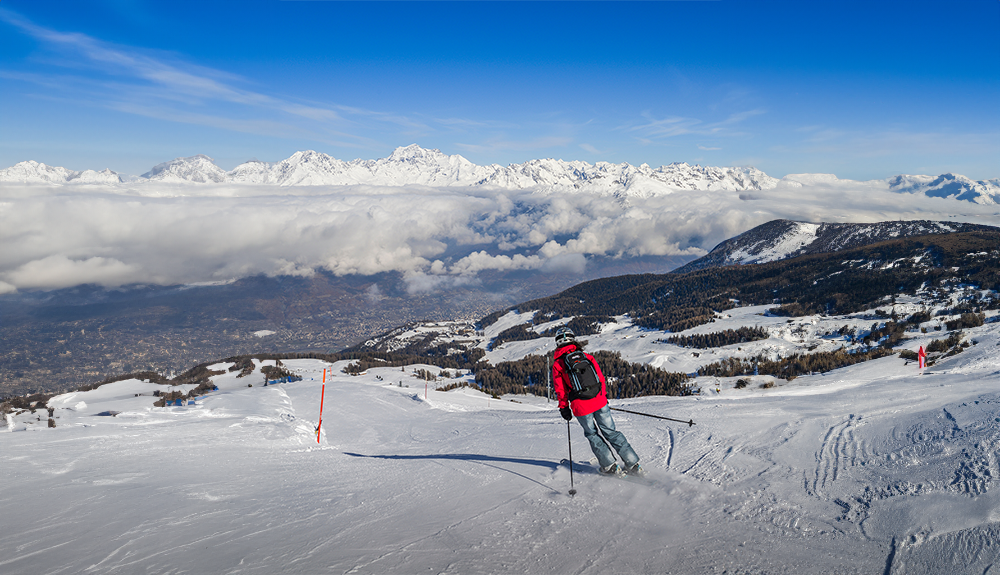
[501,144]
[591,149]
[674,126]
[471,123]
[142,82]
[247,125]
[738,117]
[666,127]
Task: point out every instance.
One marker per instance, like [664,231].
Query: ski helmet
[565,336]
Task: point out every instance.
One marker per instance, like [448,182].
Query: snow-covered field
[874,468]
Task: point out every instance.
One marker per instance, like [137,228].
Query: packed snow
[875,468]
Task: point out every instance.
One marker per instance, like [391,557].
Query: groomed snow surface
[874,468]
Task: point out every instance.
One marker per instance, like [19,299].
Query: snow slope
[801,235]
[869,469]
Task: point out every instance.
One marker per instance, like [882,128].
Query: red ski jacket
[562,385]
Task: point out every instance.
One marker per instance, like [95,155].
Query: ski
[592,467]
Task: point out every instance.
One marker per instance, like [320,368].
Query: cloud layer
[56,237]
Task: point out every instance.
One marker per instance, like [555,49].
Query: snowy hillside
[875,468]
[786,337]
[784,239]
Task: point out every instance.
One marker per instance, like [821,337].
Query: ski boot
[611,469]
[635,471]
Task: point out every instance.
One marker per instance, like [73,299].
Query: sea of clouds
[147,233]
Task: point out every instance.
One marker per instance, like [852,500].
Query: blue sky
[860,89]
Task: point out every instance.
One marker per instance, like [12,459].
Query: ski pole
[569,438]
[690,422]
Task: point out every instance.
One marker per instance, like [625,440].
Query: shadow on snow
[487,460]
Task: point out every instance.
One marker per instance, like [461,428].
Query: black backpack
[582,375]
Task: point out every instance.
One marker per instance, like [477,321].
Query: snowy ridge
[986,192]
[31,172]
[950,186]
[783,239]
[643,181]
[413,165]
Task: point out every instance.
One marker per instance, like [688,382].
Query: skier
[594,413]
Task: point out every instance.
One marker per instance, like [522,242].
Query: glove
[566,413]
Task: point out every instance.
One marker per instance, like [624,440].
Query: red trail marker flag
[322,396]
[921,358]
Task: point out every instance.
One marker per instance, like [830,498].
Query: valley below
[60,340]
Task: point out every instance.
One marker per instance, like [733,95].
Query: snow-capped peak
[199,168]
[948,185]
[413,151]
[30,172]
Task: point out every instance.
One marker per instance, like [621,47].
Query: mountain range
[413,165]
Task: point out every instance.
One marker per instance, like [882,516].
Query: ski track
[838,450]
[669,448]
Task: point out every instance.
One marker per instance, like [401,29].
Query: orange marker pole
[322,395]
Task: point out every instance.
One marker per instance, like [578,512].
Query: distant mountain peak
[32,172]
[198,168]
[414,151]
[948,185]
